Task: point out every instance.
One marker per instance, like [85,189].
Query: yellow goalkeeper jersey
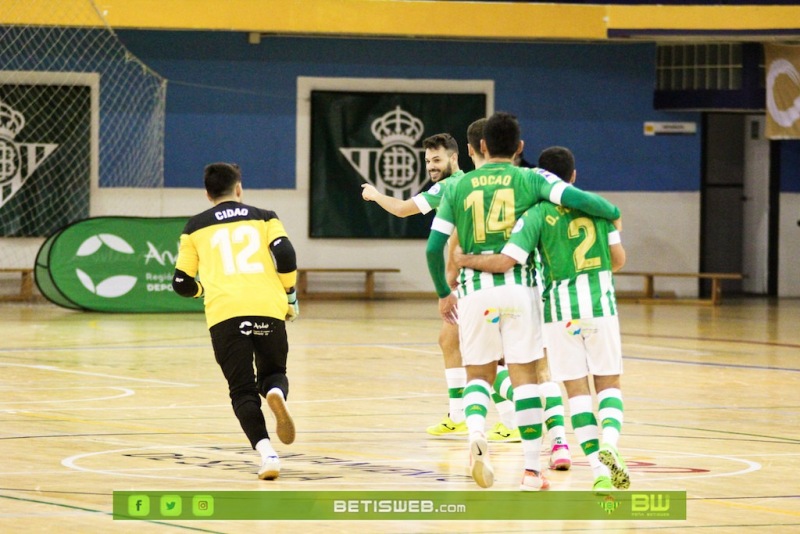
[228,246]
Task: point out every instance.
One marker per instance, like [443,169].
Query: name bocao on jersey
[491,179]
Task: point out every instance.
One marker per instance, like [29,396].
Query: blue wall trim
[228,100]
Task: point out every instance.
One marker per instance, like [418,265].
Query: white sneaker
[533,481]
[481,469]
[560,458]
[270,468]
[285,424]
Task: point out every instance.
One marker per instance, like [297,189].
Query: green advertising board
[370,505]
[114,264]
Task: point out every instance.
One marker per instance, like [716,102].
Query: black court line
[713,364]
[716,340]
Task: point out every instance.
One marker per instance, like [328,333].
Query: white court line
[125,393]
[352,399]
[227,405]
[666,349]
[396,347]
[751,465]
[71,463]
[110,348]
[95,348]
[100,375]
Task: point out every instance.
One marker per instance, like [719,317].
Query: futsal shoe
[481,468]
[533,481]
[602,485]
[285,424]
[560,458]
[447,428]
[610,458]
[500,433]
[270,468]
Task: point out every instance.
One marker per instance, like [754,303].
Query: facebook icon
[138,505]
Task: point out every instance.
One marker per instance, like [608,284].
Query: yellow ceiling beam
[403,18]
[713,18]
[390,18]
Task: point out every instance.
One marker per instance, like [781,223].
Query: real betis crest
[397,168]
[18,161]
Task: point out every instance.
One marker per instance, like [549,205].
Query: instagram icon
[203,505]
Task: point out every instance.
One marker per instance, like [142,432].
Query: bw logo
[18,161]
[397,168]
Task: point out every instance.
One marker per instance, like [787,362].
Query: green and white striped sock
[610,412]
[553,413]
[584,424]
[529,421]
[476,404]
[456,380]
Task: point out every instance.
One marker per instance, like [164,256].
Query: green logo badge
[608,504]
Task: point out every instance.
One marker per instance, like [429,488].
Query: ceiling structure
[442,19]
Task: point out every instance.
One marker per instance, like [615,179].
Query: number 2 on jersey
[501,217]
[241,263]
[583,263]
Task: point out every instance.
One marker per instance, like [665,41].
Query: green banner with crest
[374,137]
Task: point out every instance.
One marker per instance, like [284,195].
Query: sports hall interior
[94,402]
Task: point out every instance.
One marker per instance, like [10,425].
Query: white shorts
[582,347]
[500,322]
[537,298]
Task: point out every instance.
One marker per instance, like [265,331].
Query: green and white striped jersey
[576,260]
[429,200]
[484,206]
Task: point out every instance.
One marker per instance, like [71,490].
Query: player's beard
[444,173]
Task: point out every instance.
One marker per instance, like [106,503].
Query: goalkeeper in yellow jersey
[247,272]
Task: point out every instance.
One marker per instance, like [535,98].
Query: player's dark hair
[501,133]
[559,160]
[441,140]
[475,134]
[220,179]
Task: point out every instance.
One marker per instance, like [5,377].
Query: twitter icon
[171,505]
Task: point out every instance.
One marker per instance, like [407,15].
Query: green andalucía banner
[114,264]
[400,505]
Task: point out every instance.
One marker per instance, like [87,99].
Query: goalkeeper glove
[294,306]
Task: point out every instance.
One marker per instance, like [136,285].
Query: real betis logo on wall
[397,168]
[375,137]
[18,161]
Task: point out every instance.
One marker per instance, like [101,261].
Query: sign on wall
[782,67]
[48,126]
[376,137]
[114,264]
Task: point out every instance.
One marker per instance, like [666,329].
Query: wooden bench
[649,293]
[25,287]
[369,282]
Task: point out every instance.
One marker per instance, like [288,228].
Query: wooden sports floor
[92,403]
